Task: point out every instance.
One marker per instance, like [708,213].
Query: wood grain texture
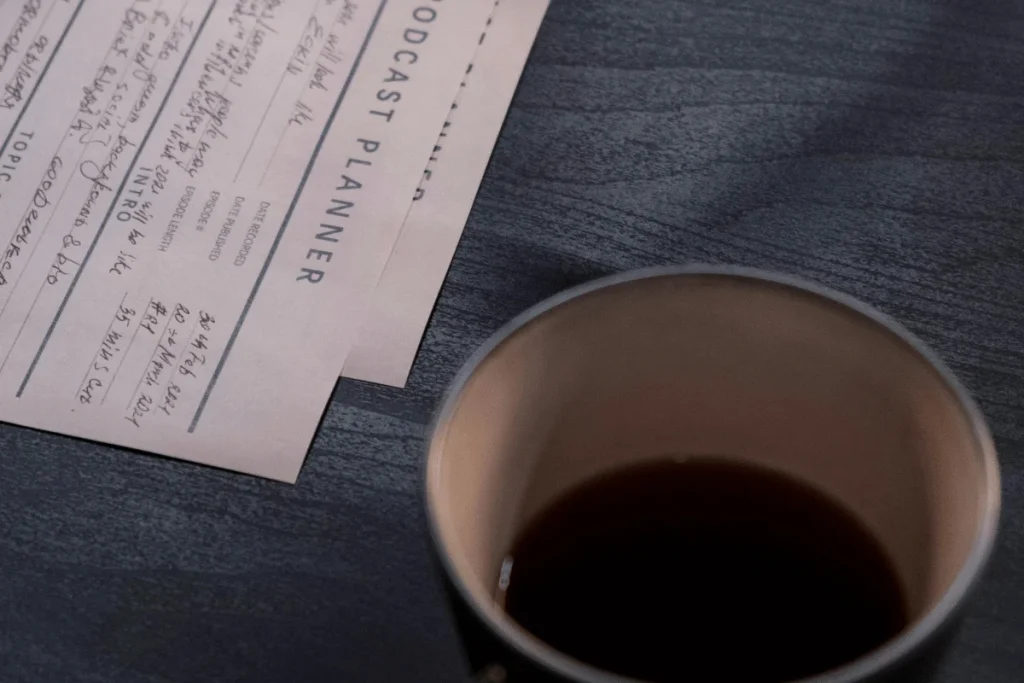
[874,146]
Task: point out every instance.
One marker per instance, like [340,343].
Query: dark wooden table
[871,145]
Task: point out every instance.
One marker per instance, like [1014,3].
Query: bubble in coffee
[702,569]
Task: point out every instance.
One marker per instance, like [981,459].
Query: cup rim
[870,664]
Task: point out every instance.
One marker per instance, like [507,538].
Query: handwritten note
[198,198]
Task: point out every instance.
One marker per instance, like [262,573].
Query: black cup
[764,368]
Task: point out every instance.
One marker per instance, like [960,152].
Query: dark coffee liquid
[701,570]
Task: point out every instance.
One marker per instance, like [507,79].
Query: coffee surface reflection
[702,569]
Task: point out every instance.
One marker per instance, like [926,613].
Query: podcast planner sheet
[195,197]
[401,304]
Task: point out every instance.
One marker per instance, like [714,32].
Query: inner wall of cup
[710,365]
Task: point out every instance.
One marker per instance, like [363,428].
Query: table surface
[873,146]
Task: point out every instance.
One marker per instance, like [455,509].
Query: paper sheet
[197,198]
[402,303]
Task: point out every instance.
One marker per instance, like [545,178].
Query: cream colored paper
[205,193]
[405,294]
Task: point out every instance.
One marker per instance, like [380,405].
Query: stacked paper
[209,209]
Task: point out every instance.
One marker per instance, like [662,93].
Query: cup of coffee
[708,474]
